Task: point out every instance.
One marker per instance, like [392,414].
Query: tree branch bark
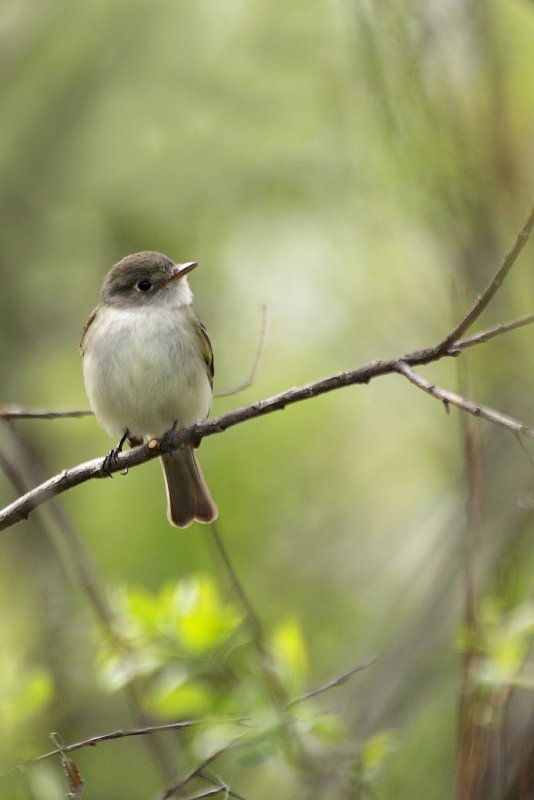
[453,399]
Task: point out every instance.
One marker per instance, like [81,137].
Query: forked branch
[450,346]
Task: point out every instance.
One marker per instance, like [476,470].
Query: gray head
[147,278]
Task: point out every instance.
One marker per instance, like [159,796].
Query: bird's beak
[179,270]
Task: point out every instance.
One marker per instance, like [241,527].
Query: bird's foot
[110,460]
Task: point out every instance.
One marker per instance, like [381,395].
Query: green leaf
[328,728]
[174,694]
[290,655]
[503,639]
[189,613]
[24,691]
[374,754]
[202,621]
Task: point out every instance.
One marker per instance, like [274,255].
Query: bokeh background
[360,168]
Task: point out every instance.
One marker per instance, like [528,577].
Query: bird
[148,370]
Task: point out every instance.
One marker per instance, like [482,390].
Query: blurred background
[359,168]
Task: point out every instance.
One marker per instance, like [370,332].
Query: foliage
[196,658]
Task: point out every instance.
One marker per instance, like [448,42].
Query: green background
[359,168]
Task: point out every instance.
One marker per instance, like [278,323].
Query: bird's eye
[143,286]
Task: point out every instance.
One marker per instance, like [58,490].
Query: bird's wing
[206,349]
[86,328]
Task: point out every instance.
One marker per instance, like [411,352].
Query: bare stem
[92,741]
[239,387]
[274,687]
[15,412]
[496,330]
[333,683]
[493,286]
[451,398]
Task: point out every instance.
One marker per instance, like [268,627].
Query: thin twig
[122,733]
[270,678]
[451,398]
[472,749]
[253,620]
[216,789]
[239,387]
[493,287]
[495,330]
[276,689]
[218,781]
[213,792]
[15,412]
[199,769]
[333,683]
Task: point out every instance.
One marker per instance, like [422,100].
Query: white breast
[144,371]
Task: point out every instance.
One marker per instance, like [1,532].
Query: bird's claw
[111,459]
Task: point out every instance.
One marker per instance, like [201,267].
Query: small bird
[148,369]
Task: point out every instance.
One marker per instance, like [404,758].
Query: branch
[333,682]
[213,792]
[218,788]
[68,478]
[239,387]
[451,398]
[15,412]
[252,620]
[106,737]
[449,346]
[493,287]
[495,330]
[198,770]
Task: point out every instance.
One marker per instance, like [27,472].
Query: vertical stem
[276,690]
[473,738]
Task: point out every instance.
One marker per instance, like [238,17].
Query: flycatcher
[148,367]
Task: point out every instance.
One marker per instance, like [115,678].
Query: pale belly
[151,377]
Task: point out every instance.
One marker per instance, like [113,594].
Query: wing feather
[86,328]
[206,350]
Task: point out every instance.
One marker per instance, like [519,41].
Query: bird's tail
[188,496]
